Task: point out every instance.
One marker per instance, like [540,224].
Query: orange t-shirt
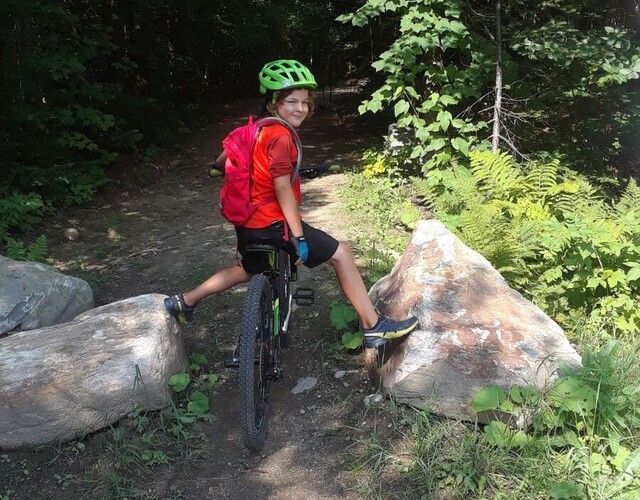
[275,154]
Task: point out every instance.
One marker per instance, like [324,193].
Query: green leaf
[211,380]
[459,144]
[201,359]
[436,144]
[632,463]
[341,316]
[566,490]
[499,434]
[352,340]
[359,20]
[198,403]
[633,274]
[524,394]
[179,381]
[573,395]
[489,398]
[401,108]
[448,100]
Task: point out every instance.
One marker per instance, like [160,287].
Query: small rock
[372,399]
[71,234]
[304,384]
[339,374]
[302,412]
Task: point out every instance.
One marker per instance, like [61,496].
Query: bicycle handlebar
[306,171]
[313,171]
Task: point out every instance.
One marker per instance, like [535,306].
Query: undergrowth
[573,248]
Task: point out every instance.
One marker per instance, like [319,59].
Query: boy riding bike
[289,87]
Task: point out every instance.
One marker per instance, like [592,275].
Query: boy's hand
[302,248]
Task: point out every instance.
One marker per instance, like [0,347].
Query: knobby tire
[255,361]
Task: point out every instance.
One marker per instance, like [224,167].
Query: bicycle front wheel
[256,361]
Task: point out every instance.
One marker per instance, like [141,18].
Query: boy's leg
[182,306]
[353,286]
[378,330]
[219,282]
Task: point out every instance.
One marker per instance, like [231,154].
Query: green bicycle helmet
[285,74]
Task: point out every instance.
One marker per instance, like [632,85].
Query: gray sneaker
[388,329]
[177,307]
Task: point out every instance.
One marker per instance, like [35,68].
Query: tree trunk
[495,140]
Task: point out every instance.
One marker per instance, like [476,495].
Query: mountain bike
[265,332]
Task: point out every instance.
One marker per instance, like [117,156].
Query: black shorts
[321,246]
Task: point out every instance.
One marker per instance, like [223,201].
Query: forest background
[520,122]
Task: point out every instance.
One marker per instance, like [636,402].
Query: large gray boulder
[474,330]
[34,295]
[64,381]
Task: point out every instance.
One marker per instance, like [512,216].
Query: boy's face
[295,107]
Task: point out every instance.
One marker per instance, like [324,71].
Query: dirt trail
[160,237]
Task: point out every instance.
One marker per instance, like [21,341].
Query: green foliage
[425,84]
[21,211]
[343,317]
[193,403]
[384,208]
[568,72]
[38,251]
[590,416]
[549,232]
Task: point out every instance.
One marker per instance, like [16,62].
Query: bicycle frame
[275,271]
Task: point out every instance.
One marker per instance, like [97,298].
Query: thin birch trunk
[495,140]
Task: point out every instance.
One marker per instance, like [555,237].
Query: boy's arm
[288,204]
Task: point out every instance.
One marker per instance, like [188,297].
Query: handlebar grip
[313,171]
[216,170]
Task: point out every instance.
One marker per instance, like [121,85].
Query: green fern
[497,174]
[541,179]
[448,191]
[15,249]
[576,196]
[38,251]
[630,199]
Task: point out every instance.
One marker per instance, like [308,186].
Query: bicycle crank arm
[285,325]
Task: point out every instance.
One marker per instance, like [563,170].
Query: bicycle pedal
[233,361]
[304,296]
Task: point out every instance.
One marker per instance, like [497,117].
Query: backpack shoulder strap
[270,120]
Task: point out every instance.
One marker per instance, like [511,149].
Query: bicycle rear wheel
[256,362]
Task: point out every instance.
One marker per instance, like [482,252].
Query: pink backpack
[235,195]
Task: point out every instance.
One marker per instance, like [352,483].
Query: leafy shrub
[589,419]
[344,318]
[21,211]
[550,232]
